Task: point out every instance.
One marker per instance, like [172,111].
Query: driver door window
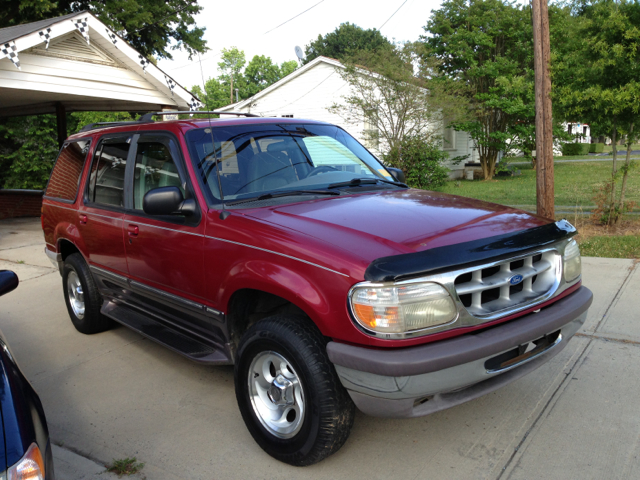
[155,167]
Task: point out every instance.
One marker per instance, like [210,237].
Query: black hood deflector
[439,259]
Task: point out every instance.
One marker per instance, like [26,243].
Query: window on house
[371,134]
[448,139]
[584,131]
[570,129]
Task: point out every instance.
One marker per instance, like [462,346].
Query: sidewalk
[117,395]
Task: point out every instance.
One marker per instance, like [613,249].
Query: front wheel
[288,391]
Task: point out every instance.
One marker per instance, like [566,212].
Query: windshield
[254,160]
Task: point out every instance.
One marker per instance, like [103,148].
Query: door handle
[83,219]
[133,230]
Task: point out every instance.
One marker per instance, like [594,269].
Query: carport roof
[10,33]
[75,62]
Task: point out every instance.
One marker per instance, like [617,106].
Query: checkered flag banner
[10,50]
[46,36]
[170,83]
[82,25]
[143,62]
[194,105]
[113,37]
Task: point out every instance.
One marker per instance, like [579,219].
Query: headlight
[572,262]
[400,309]
[30,467]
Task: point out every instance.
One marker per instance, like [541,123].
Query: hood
[379,224]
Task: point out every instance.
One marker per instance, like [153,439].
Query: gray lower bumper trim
[465,348]
[54,257]
[407,408]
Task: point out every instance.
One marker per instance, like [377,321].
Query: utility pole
[231,90]
[544,128]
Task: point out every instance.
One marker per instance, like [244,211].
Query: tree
[393,96]
[258,74]
[345,41]
[153,28]
[262,72]
[32,152]
[599,83]
[485,54]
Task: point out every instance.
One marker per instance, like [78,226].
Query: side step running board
[180,343]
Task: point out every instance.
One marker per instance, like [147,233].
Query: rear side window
[106,181]
[65,177]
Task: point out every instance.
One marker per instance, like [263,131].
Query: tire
[291,346]
[82,297]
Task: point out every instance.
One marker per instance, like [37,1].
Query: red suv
[284,247]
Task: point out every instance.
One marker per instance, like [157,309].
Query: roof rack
[148,117]
[91,126]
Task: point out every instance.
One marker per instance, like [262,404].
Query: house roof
[24,89]
[296,73]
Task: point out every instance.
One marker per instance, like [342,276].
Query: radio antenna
[224,213]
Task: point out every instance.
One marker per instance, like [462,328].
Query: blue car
[25,447]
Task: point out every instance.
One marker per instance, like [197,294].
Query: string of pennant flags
[10,50]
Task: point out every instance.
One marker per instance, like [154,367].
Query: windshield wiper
[289,193]
[354,182]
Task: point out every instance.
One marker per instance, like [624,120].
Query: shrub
[570,149]
[421,162]
[596,148]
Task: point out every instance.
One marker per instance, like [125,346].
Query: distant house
[311,90]
[581,131]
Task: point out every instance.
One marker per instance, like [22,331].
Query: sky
[244,24]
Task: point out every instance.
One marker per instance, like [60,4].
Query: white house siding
[307,96]
[463,145]
[310,91]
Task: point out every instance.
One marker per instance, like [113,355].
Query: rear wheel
[289,393]
[82,297]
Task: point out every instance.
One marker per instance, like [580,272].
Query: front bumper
[417,381]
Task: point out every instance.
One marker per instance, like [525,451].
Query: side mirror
[168,201]
[8,281]
[397,174]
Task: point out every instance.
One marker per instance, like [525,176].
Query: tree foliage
[31,149]
[599,82]
[345,41]
[421,160]
[393,96]
[249,78]
[485,54]
[151,27]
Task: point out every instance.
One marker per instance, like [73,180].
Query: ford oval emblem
[515,280]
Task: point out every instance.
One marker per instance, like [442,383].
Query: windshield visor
[253,160]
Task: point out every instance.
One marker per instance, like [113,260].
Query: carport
[75,63]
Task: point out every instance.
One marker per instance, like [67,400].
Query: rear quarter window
[65,178]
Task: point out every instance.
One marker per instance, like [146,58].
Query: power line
[405,1]
[294,17]
[218,54]
[299,98]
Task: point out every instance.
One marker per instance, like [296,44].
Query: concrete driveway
[117,395]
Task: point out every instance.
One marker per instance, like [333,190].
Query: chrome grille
[488,289]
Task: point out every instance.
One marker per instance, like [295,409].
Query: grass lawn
[574,185]
[609,148]
[627,246]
